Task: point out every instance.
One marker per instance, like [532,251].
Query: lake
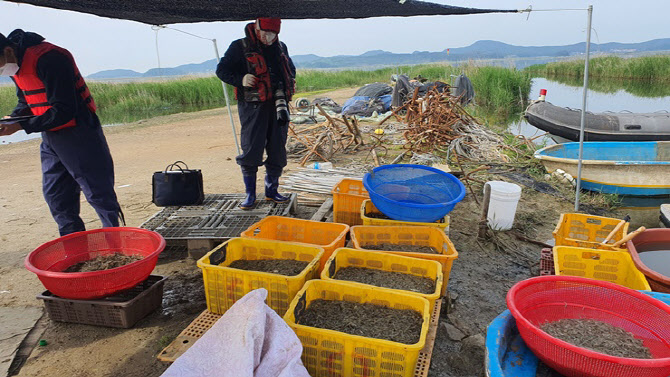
[644,211]
[616,100]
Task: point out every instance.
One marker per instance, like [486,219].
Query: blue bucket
[413,193]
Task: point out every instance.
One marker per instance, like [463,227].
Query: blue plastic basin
[413,193]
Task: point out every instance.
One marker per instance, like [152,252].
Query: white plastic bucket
[502,205]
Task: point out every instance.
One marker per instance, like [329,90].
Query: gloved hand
[9,128]
[249,80]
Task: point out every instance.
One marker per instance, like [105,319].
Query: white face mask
[267,37]
[9,69]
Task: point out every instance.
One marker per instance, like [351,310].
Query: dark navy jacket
[57,73]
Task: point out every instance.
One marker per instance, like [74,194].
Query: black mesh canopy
[159,12]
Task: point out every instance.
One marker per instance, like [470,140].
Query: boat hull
[606,169]
[565,123]
[665,215]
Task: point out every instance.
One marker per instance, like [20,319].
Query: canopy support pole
[583,115]
[225,94]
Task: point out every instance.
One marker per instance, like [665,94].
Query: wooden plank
[186,338]
[322,212]
[423,363]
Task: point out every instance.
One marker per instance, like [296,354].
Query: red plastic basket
[49,259]
[539,300]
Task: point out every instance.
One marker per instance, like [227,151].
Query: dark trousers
[77,159]
[262,132]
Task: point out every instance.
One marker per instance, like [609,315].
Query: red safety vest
[33,88]
[257,66]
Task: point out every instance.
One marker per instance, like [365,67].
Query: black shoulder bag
[177,186]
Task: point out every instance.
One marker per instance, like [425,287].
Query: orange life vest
[33,88]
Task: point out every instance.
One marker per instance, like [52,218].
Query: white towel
[249,340]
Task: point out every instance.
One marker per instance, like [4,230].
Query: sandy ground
[204,140]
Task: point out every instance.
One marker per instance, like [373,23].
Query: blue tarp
[365,106]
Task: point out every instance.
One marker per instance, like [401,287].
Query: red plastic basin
[657,281]
[540,300]
[49,259]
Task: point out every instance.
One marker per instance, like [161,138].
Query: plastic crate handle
[332,268]
[300,307]
[218,256]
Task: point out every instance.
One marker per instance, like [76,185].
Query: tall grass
[501,90]
[649,68]
[7,99]
[498,89]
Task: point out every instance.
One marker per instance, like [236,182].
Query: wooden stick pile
[323,140]
[433,121]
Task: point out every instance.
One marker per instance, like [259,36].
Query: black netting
[159,12]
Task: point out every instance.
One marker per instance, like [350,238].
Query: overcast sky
[101,43]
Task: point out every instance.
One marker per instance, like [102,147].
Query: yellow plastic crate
[579,230]
[348,195]
[345,257]
[613,266]
[225,285]
[328,353]
[329,236]
[364,235]
[367,207]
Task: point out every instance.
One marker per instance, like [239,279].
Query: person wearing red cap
[260,69]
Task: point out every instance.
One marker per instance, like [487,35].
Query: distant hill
[521,56]
[478,50]
[115,74]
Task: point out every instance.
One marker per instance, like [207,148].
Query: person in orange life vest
[74,152]
[260,69]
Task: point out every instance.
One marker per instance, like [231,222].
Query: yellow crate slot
[345,257]
[225,285]
[607,265]
[328,236]
[579,230]
[367,207]
[329,353]
[409,235]
[348,195]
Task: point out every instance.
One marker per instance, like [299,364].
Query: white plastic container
[502,205]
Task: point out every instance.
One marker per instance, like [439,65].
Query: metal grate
[219,217]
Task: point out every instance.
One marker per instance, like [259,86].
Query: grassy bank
[497,89]
[646,68]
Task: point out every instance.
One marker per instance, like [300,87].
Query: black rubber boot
[250,189]
[271,186]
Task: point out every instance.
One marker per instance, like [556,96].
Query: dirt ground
[479,280]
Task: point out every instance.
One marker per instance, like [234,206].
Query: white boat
[625,168]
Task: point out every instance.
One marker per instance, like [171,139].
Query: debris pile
[437,122]
[321,141]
